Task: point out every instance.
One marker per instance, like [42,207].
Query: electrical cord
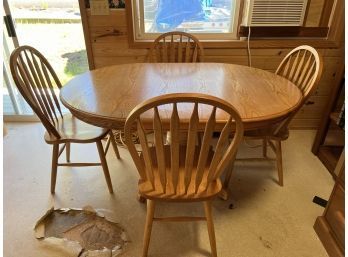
[249,54]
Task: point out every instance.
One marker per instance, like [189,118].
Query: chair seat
[72,129]
[157,193]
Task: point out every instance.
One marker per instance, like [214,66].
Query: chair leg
[104,165]
[67,151]
[114,145]
[264,148]
[228,176]
[229,171]
[279,162]
[54,167]
[210,223]
[148,226]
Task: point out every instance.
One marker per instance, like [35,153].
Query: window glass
[192,16]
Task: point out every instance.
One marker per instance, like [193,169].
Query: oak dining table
[105,96]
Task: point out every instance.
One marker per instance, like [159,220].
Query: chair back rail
[200,165]
[176,47]
[303,66]
[35,80]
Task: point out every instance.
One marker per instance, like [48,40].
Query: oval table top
[104,97]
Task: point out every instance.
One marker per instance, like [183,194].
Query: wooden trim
[86,34]
[326,13]
[272,43]
[336,24]
[130,28]
[333,40]
[320,32]
[254,44]
[307,11]
[241,11]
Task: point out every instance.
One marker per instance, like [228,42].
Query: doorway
[52,27]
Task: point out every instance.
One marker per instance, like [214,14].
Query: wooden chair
[303,66]
[177,47]
[182,173]
[36,80]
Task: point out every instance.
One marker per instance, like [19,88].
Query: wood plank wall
[314,13]
[110,50]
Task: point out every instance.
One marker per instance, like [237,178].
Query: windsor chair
[36,80]
[303,66]
[185,172]
[176,47]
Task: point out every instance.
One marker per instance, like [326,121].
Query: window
[207,19]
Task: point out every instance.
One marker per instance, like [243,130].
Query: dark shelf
[329,140]
[329,156]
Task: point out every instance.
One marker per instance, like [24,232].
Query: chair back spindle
[176,47]
[36,81]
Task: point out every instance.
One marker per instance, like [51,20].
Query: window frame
[334,38]
[141,35]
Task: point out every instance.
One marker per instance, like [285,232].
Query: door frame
[16,99]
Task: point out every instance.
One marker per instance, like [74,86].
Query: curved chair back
[35,80]
[175,164]
[303,66]
[176,47]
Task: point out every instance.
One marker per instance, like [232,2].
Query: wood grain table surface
[104,97]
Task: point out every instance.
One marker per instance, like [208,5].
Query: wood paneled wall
[314,13]
[113,49]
